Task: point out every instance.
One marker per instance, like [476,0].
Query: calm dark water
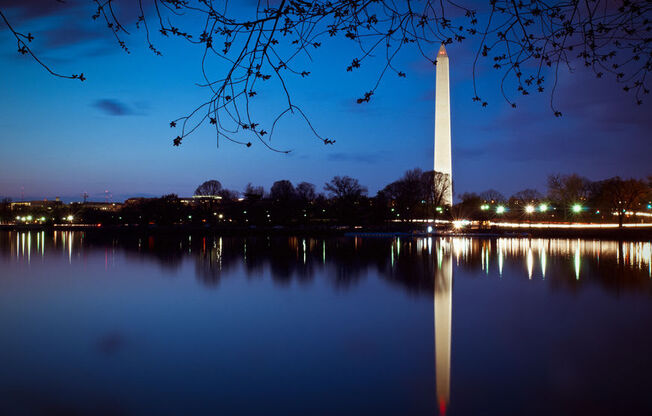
[298,326]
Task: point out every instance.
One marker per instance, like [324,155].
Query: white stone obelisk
[443,161]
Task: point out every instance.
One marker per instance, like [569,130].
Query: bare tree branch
[525,41]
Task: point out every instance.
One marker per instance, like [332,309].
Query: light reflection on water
[636,255]
[430,268]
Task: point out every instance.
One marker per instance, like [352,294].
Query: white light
[461,223]
[69,217]
[529,209]
[565,225]
[500,209]
[429,229]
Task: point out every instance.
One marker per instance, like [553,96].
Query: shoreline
[396,230]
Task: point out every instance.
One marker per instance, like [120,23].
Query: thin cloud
[24,10]
[354,157]
[113,107]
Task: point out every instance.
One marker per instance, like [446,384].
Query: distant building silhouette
[37,204]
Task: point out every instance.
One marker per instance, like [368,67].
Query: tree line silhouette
[417,195]
[569,197]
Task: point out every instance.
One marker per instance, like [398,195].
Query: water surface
[209,325]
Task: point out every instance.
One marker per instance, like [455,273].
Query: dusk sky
[111,132]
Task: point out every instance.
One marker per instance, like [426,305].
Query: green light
[577,208]
[484,207]
[439,209]
[500,209]
[543,207]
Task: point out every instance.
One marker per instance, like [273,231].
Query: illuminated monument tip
[443,122]
[442,407]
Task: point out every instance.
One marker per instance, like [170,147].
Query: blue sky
[63,138]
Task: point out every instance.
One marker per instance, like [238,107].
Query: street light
[577,208]
[543,207]
[529,209]
[461,223]
[500,209]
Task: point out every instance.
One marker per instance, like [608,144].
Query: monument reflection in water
[443,310]
[294,325]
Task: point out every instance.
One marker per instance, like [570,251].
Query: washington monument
[443,124]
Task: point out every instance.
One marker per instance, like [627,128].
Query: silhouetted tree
[567,189]
[347,194]
[408,193]
[470,197]
[5,209]
[491,195]
[306,191]
[345,188]
[228,194]
[253,193]
[282,191]
[284,201]
[436,185]
[524,41]
[526,196]
[469,207]
[209,188]
[619,196]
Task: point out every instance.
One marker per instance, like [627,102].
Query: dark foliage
[412,197]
